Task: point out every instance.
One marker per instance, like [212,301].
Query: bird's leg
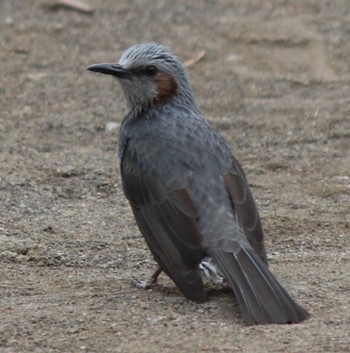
[154,277]
[151,283]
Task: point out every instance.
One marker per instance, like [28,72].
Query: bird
[188,193]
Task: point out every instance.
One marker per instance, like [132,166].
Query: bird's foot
[152,283]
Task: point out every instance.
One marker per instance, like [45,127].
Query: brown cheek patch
[166,86]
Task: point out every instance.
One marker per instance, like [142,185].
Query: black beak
[110,69]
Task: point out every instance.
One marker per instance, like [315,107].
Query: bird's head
[150,75]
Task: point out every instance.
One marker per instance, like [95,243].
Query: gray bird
[188,193]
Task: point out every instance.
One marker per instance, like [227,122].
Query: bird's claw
[150,284]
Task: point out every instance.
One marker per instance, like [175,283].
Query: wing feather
[245,208]
[167,220]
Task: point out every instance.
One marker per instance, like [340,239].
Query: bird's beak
[110,69]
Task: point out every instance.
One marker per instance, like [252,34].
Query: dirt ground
[275,80]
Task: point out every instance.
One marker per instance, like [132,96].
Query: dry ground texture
[275,80]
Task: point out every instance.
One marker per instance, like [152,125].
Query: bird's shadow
[219,292]
[213,291]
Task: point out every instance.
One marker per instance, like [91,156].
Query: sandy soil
[275,80]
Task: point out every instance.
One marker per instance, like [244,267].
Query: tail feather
[262,299]
[247,299]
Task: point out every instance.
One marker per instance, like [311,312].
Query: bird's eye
[151,70]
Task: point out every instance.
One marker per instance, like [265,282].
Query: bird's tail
[262,299]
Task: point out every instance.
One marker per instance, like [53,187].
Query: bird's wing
[245,208]
[167,220]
